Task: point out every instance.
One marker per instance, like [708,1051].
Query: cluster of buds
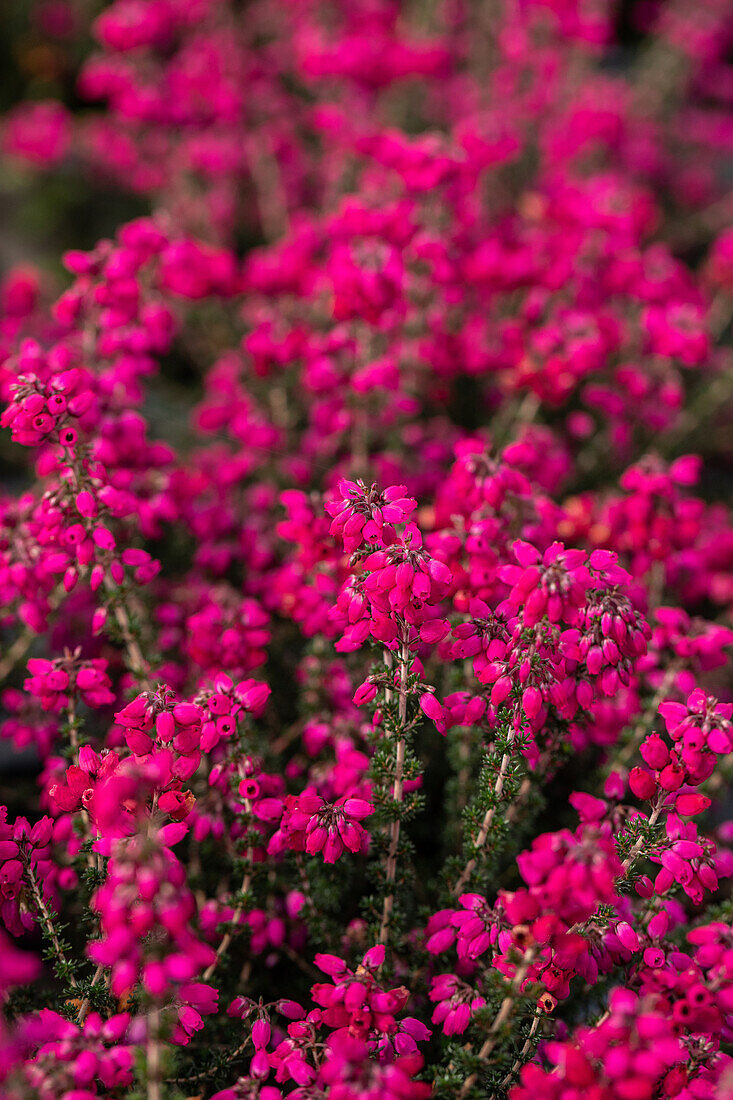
[47,412]
[367,515]
[53,682]
[154,720]
[311,824]
[355,1002]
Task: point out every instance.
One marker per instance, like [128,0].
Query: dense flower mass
[366,554]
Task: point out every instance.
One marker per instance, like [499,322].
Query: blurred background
[95,131]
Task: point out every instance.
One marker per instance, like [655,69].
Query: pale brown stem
[527,410]
[513,811]
[522,1054]
[399,778]
[360,444]
[207,1072]
[91,858]
[505,1010]
[513,417]
[483,832]
[154,1091]
[655,586]
[86,1003]
[388,666]
[48,922]
[654,817]
[135,658]
[229,935]
[721,310]
[279,406]
[286,738]
[271,198]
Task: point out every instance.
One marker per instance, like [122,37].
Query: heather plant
[366,556]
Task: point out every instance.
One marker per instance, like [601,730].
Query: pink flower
[39,133]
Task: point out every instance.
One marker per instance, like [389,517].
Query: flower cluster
[309,824]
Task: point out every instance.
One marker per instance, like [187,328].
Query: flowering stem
[394,832]
[483,832]
[229,936]
[653,818]
[513,811]
[244,891]
[49,926]
[505,1010]
[73,728]
[602,1019]
[528,1045]
[86,1003]
[206,1073]
[135,658]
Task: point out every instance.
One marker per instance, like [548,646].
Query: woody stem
[397,788]
[483,832]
